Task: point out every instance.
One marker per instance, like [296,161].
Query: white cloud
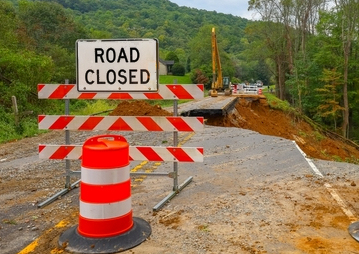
[234,7]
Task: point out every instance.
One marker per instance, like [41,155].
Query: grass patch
[165,103]
[95,107]
[318,136]
[276,103]
[11,222]
[26,127]
[302,133]
[169,79]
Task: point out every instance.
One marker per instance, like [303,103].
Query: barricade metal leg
[59,194]
[172,194]
[176,188]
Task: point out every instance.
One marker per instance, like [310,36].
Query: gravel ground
[252,194]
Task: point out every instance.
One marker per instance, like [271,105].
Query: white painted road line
[330,189]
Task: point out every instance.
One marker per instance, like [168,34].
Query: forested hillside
[309,52]
[37,45]
[175,27]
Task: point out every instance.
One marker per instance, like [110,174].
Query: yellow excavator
[217,82]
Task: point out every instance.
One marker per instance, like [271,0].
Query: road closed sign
[127,65]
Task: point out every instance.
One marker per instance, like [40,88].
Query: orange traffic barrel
[260,91]
[105,218]
[105,198]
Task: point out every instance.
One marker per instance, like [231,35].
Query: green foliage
[8,25]
[178,69]
[169,79]
[94,107]
[9,130]
[172,56]
[174,26]
[318,136]
[7,127]
[276,103]
[20,73]
[235,80]
[329,107]
[199,77]
[200,48]
[47,23]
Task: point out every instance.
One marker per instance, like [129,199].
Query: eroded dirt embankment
[261,118]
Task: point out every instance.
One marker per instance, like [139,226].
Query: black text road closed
[117,65]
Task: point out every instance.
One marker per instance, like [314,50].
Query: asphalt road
[254,194]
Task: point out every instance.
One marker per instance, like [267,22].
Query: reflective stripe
[105,211]
[105,176]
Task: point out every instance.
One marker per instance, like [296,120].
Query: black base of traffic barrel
[354,230]
[74,242]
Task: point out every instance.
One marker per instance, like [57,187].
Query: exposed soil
[138,108]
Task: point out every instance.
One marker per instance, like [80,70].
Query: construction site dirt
[255,192]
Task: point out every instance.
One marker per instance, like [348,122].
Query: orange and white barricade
[105,220]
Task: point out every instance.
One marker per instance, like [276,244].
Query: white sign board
[127,65]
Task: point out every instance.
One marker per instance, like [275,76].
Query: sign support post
[175,144]
[67,142]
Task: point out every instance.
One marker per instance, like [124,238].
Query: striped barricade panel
[137,153]
[165,92]
[120,123]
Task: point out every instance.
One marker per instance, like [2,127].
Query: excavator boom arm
[217,82]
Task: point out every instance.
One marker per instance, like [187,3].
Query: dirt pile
[138,108]
[261,118]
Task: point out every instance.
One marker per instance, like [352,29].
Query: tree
[53,32]
[201,53]
[330,107]
[178,69]
[21,72]
[348,11]
[8,25]
[266,41]
[200,48]
[198,77]
[172,56]
[288,24]
[338,49]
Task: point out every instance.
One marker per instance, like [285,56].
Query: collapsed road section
[209,106]
[215,106]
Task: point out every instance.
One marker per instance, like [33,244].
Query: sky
[234,7]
